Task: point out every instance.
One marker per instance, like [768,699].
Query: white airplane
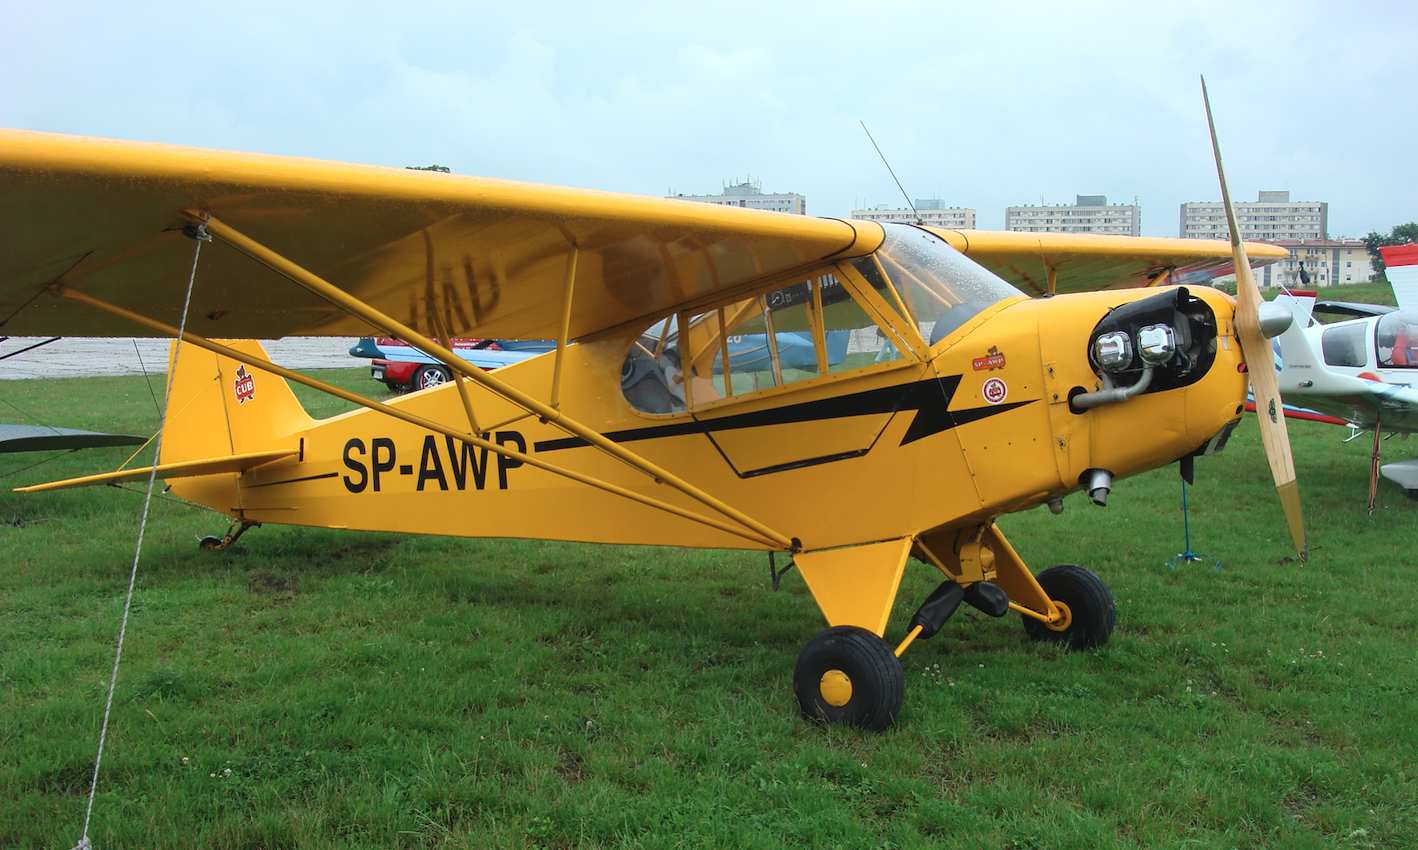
[1365,370]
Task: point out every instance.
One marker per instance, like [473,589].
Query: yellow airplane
[959,399]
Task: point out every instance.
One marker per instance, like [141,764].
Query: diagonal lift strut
[747,526]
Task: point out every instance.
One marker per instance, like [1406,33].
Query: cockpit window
[650,377]
[937,286]
[1343,345]
[809,326]
[1397,339]
[802,330]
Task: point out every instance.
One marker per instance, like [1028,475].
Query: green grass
[374,690]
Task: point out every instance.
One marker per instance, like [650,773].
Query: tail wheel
[846,675]
[1089,603]
[431,376]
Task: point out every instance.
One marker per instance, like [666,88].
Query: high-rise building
[750,195]
[1271,217]
[931,211]
[1089,214]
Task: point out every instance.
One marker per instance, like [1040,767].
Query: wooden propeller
[1260,363]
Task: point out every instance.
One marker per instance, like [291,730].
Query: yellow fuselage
[982,428]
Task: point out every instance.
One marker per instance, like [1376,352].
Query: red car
[409,375]
[403,376]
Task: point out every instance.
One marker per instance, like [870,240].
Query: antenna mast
[893,173]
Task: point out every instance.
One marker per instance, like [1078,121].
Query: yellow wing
[1081,262]
[490,255]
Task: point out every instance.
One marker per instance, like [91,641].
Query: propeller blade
[1260,362]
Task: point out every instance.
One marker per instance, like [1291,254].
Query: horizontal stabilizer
[186,469]
[39,438]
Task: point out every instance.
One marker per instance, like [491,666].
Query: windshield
[1398,340]
[936,285]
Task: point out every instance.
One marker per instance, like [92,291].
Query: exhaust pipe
[1099,482]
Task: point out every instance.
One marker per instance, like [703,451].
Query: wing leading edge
[1081,262]
[486,257]
[105,217]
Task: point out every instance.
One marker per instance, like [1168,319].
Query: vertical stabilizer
[220,407]
[1401,269]
[1296,350]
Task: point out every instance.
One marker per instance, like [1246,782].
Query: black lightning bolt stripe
[930,399]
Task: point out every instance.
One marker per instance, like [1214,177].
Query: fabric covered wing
[39,438]
[489,256]
[1084,262]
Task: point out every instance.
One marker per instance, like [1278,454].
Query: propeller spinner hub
[1275,319]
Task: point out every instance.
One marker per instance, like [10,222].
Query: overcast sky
[982,105]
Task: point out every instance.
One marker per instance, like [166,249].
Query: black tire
[877,685]
[428,377]
[210,542]
[1090,605]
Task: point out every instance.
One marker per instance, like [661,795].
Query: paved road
[77,358]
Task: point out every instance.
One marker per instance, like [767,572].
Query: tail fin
[219,408]
[1293,345]
[222,407]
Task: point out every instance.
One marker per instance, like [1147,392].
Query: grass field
[313,688]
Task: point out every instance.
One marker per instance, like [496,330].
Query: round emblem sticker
[995,390]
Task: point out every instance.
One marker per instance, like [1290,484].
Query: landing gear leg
[1065,604]
[1085,602]
[1374,470]
[236,529]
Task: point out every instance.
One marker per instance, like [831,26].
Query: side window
[1343,345]
[770,340]
[804,330]
[853,339]
[650,377]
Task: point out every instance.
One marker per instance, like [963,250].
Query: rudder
[220,407]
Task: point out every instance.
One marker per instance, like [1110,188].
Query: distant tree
[1401,234]
[443,168]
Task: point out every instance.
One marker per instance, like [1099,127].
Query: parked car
[403,368]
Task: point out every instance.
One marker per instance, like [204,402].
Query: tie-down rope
[200,235]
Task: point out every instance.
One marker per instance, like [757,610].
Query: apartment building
[930,211]
[750,195]
[1326,261]
[1272,217]
[1088,214]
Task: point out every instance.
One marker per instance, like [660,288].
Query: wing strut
[561,339]
[545,412]
[414,419]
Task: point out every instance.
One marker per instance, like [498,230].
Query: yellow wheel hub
[836,688]
[1065,618]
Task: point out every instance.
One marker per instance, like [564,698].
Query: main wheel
[849,676]
[1089,604]
[431,376]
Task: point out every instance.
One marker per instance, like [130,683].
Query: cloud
[987,105]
